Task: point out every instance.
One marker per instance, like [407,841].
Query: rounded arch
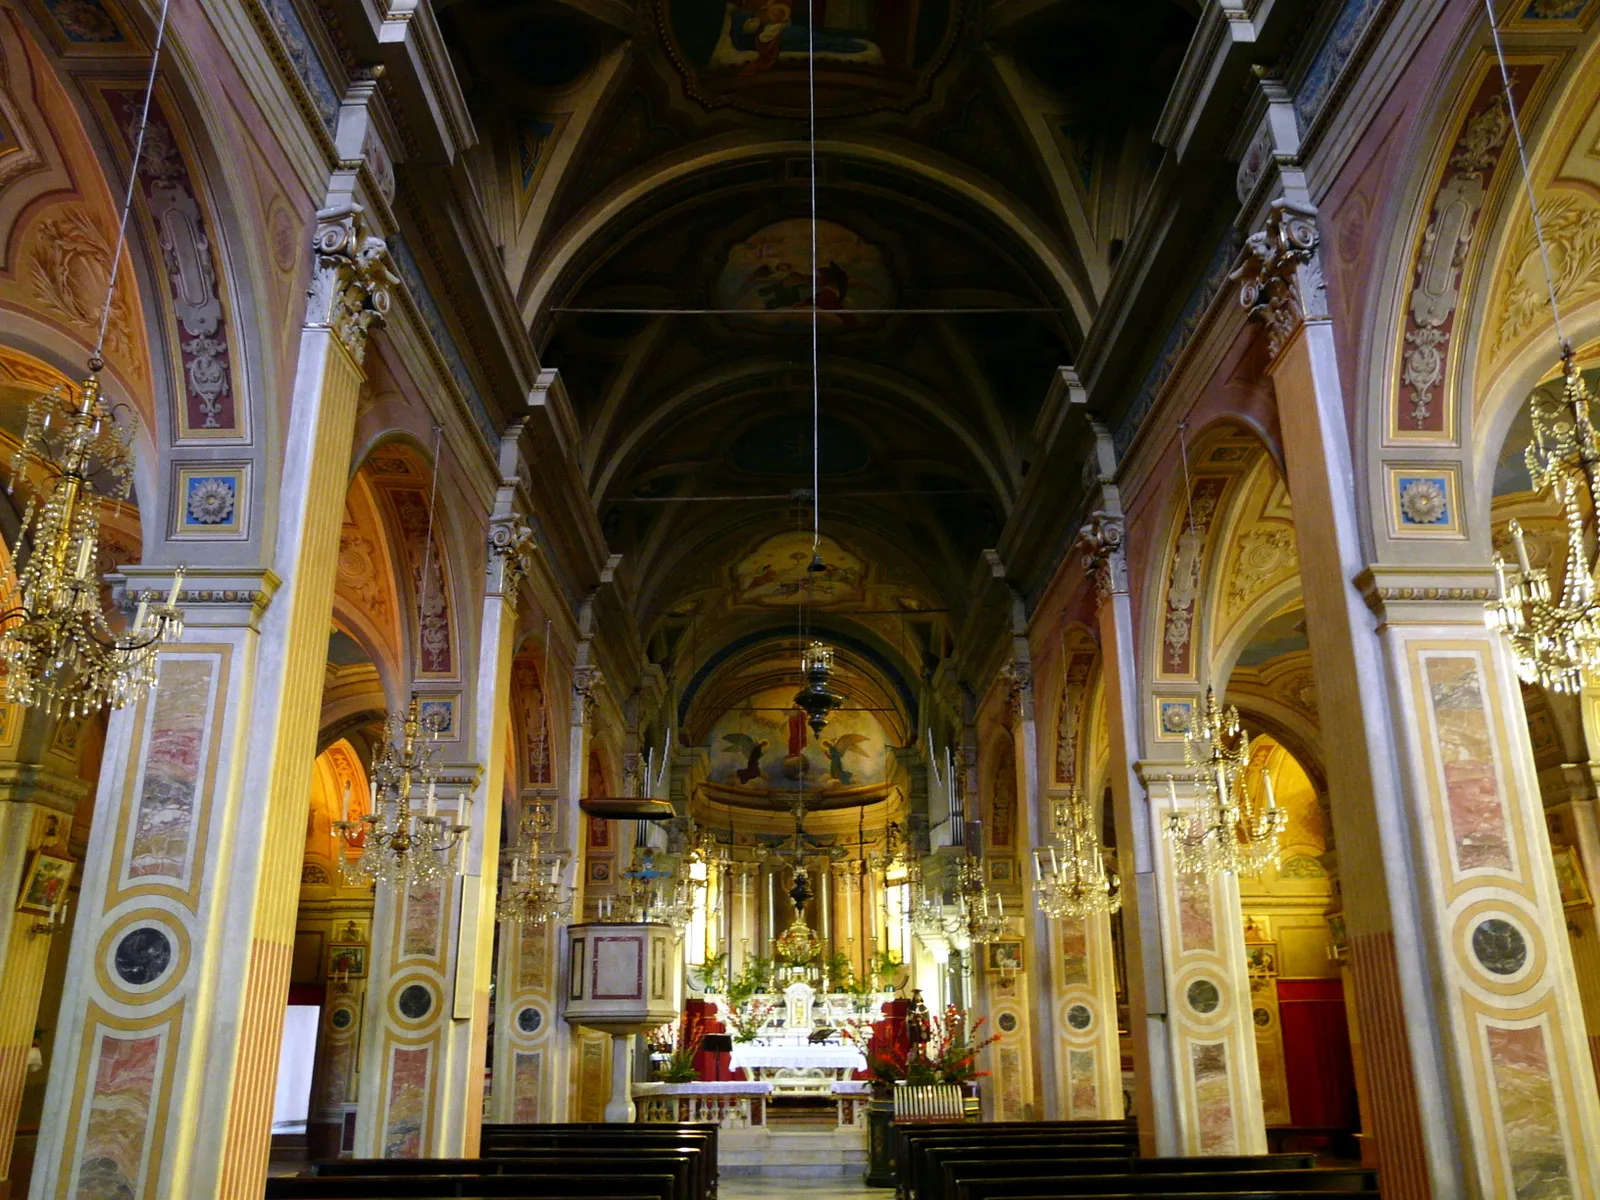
[962,183]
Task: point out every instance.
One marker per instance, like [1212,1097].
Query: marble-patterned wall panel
[168,820]
[1082,1098]
[1195,926]
[408,1102]
[1074,954]
[117,1137]
[529,1072]
[423,916]
[1013,1103]
[592,1080]
[1466,762]
[1530,1117]
[1213,1097]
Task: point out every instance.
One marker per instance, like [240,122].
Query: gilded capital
[1279,275]
[350,281]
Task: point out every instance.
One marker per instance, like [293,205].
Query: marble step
[792,1155]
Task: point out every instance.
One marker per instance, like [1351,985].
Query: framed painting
[1570,880]
[44,886]
[1005,956]
[347,962]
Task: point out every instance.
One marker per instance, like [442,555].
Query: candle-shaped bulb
[177,586]
[516,870]
[1521,546]
[1172,792]
[139,615]
[344,808]
[1038,868]
[432,803]
[1000,903]
[466,812]
[1266,778]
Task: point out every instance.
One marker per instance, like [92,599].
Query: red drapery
[1316,1052]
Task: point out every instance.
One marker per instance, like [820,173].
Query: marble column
[1575,825]
[526,1007]
[426,1032]
[1211,1039]
[172,1012]
[1467,1001]
[36,807]
[1156,1090]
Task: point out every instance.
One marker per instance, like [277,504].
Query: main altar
[806,1045]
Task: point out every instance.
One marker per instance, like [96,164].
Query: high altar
[801,1050]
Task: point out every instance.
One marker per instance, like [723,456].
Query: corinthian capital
[1017,675]
[511,549]
[351,280]
[586,682]
[1279,275]
[1101,542]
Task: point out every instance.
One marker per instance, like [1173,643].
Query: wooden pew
[913,1169]
[470,1187]
[949,1168]
[681,1168]
[517,1141]
[1183,1176]
[928,1132]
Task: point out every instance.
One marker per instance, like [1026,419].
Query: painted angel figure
[743,743]
[837,748]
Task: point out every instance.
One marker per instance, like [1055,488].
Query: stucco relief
[1442,253]
[67,262]
[1265,554]
[1571,227]
[1184,577]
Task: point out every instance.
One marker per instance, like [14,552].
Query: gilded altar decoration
[59,651]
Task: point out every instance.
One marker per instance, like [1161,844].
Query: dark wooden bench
[954,1169]
[1187,1178]
[926,1133]
[476,1187]
[918,1170]
[521,1141]
[1280,1194]
[685,1168]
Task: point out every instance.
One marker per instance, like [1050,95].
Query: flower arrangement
[949,1055]
[681,1046]
[748,1018]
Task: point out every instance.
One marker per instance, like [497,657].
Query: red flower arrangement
[950,1055]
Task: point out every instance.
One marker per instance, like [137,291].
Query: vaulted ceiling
[649,172]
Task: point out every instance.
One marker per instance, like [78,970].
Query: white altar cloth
[801,1056]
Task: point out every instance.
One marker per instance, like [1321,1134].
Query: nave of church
[624,598]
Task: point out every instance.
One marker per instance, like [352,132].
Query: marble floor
[844,1187]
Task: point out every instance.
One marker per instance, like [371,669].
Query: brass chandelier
[1070,878]
[1555,641]
[1229,832]
[534,893]
[403,840]
[58,651]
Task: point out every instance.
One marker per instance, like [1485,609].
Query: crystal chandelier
[982,912]
[1070,876]
[1555,642]
[652,894]
[534,893]
[58,651]
[400,843]
[1228,833]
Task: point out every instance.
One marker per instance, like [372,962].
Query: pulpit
[623,979]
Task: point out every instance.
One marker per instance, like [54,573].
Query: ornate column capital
[586,682]
[1279,274]
[1101,541]
[1017,676]
[511,550]
[351,279]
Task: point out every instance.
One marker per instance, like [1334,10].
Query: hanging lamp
[57,649]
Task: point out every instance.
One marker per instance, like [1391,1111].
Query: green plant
[753,978]
[679,1067]
[714,972]
[885,965]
